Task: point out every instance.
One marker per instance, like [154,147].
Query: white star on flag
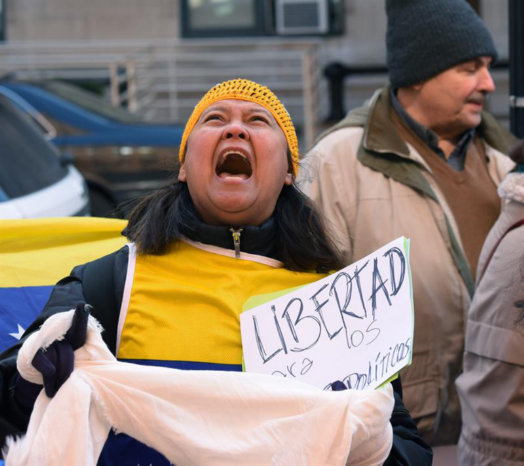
[18,334]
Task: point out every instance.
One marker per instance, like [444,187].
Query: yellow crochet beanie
[243,89]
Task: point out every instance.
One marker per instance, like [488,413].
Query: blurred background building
[157,57]
[154,60]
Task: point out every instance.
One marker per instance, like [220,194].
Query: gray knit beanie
[426,37]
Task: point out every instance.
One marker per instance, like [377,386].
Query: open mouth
[234,164]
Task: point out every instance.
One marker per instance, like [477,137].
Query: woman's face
[235,164]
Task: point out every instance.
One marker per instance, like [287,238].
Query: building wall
[363,41]
[29,20]
[158,20]
[364,44]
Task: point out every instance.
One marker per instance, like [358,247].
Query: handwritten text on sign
[355,325]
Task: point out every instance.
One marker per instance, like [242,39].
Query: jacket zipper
[236,240]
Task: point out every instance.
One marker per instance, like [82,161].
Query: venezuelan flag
[36,253]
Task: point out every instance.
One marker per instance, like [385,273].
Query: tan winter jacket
[372,188]
[491,388]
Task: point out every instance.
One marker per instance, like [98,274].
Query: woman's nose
[235,130]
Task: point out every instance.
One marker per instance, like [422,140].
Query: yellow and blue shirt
[181,309]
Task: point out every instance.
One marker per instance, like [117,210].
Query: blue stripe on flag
[18,309]
[122,449]
[186,365]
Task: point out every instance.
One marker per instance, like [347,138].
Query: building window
[229,18]
[217,18]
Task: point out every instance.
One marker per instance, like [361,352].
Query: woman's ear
[182,173]
[288,180]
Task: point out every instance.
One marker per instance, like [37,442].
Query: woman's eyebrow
[249,111]
[259,110]
[213,109]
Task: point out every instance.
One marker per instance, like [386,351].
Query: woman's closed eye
[212,117]
[261,118]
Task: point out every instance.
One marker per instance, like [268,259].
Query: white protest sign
[355,325]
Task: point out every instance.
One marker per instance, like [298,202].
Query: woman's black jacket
[101,284]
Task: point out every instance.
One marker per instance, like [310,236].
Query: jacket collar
[380,136]
[258,240]
[373,117]
[379,133]
[496,135]
[384,150]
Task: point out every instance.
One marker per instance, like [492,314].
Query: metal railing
[163,80]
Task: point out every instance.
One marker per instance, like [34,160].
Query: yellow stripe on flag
[36,252]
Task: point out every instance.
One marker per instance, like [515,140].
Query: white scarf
[194,417]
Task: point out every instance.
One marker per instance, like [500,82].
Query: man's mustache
[477,98]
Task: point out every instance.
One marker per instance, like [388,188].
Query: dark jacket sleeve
[408,447]
[66,294]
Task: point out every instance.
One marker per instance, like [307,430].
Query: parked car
[120,155]
[35,180]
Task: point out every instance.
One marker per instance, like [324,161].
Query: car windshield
[89,101]
[29,163]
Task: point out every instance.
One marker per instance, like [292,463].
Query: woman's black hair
[301,241]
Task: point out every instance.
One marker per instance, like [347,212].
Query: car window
[89,101]
[31,112]
[28,161]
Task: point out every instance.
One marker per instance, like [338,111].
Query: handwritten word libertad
[334,308]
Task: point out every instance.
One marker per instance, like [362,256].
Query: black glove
[56,362]
[338,386]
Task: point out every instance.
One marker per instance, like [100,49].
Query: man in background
[422,159]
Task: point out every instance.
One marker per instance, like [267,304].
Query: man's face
[236,163]
[451,102]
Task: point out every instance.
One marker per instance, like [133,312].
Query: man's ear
[288,180]
[182,173]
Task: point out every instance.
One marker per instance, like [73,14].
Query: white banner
[355,325]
